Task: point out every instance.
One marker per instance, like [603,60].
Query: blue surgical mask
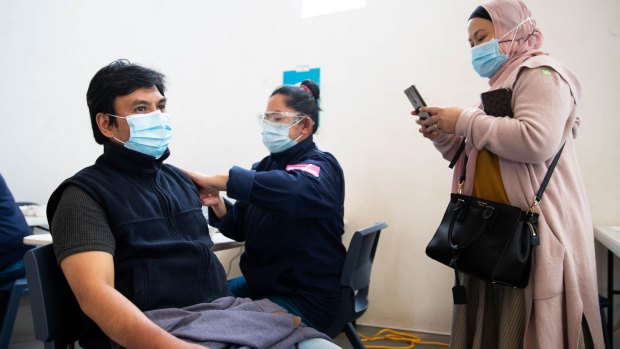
[487,58]
[275,136]
[149,133]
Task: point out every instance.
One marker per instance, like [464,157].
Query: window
[313,8]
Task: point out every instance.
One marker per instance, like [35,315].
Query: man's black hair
[118,78]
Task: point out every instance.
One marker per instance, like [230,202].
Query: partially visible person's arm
[13,228]
[91,277]
[542,106]
[312,188]
[298,193]
[447,144]
[84,245]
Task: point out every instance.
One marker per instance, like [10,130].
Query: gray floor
[343,342]
[23,336]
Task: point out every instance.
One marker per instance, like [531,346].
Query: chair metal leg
[603,304]
[351,333]
[16,293]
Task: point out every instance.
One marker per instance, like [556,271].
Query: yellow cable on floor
[391,335]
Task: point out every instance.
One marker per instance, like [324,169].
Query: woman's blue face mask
[275,136]
[487,58]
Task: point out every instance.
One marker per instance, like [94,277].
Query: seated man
[129,231]
[13,228]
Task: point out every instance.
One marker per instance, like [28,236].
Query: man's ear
[103,122]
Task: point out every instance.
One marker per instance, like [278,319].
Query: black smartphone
[416,100]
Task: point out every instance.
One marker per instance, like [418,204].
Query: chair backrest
[355,277]
[56,315]
[13,291]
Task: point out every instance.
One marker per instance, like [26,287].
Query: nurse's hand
[207,185]
[210,199]
[209,189]
[216,202]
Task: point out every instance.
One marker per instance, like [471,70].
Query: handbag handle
[461,205]
[543,185]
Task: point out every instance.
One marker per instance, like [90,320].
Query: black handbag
[488,240]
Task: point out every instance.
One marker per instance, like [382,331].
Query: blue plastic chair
[14,290]
[55,312]
[355,283]
[13,286]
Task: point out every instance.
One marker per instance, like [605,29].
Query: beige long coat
[563,281]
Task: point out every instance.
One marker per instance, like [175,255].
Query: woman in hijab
[508,157]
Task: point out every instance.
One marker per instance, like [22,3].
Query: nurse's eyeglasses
[280,117]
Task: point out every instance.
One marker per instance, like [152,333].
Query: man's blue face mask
[149,133]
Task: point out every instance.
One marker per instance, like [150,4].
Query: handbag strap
[545,181]
[543,185]
[457,154]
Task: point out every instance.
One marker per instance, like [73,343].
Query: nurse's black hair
[303,99]
[118,78]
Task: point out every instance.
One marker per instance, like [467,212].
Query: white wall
[223,58]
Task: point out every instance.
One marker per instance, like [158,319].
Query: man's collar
[124,159]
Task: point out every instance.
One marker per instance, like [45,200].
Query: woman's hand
[216,202]
[428,132]
[210,199]
[442,120]
[208,186]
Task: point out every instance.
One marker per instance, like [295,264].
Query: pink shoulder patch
[310,168]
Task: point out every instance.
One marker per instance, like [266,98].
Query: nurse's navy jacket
[289,211]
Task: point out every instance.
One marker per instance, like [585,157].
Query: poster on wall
[301,73]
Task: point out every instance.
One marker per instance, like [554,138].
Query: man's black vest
[163,252]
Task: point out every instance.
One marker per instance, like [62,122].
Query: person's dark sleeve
[13,228]
[80,225]
[296,193]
